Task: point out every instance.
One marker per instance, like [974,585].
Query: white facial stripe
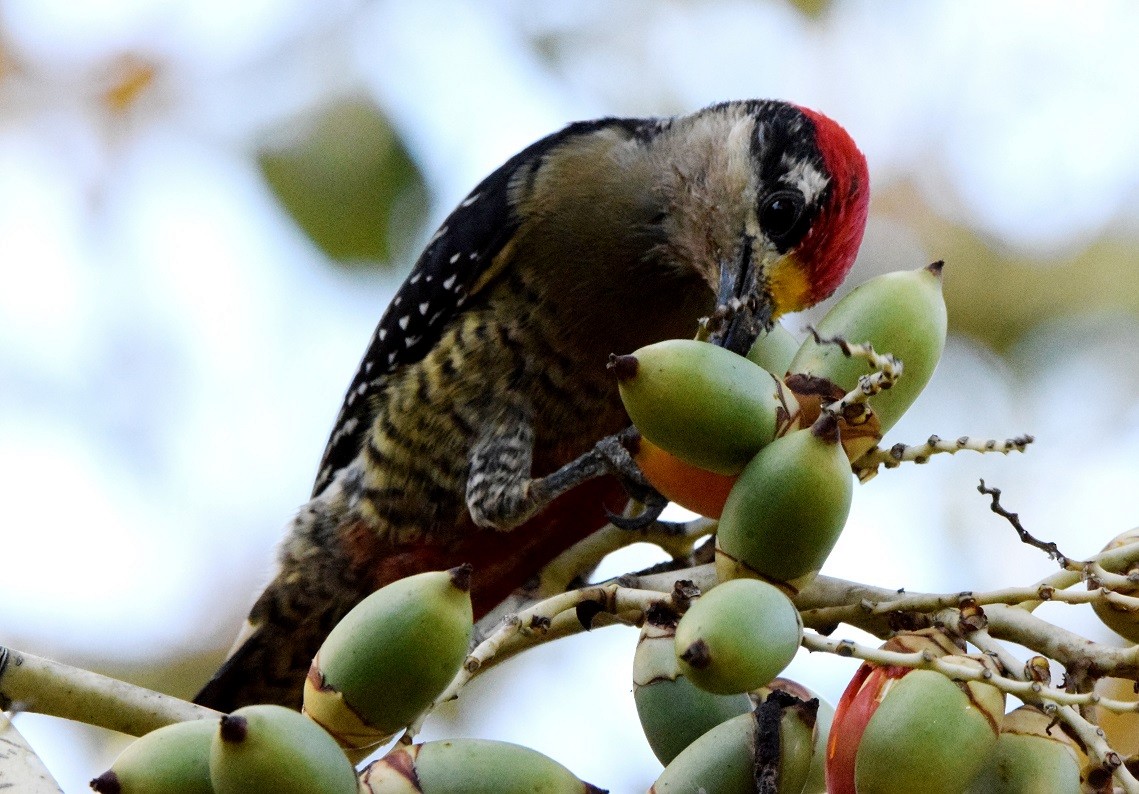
[810,181]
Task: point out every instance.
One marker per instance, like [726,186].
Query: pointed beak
[743,303]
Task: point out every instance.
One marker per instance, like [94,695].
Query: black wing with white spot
[436,290]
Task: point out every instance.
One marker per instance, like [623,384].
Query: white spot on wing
[455,258]
[469,200]
[403,321]
[423,307]
[449,282]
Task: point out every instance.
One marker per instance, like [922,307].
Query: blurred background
[205,207]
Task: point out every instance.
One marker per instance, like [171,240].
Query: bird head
[770,206]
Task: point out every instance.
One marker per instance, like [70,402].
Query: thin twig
[1012,667]
[1050,548]
[866,467]
[931,602]
[1095,742]
[555,617]
[1031,691]
[887,371]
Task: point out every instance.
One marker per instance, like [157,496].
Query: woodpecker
[470,433]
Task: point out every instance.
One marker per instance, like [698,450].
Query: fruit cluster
[383,664]
[765,445]
[900,729]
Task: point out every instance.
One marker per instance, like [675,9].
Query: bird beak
[743,304]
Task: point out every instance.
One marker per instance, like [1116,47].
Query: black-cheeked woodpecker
[468,434]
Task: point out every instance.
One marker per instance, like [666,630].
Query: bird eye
[779,214]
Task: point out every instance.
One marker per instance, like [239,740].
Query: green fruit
[1029,758]
[816,775]
[276,750]
[704,404]
[170,760]
[724,758]
[738,636]
[391,656]
[775,349]
[797,742]
[673,711]
[929,735]
[785,513]
[899,313]
[868,687]
[469,766]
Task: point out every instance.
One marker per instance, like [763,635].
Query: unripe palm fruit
[900,313]
[738,636]
[909,731]
[673,711]
[777,736]
[469,766]
[786,511]
[1121,620]
[1033,755]
[691,487]
[276,750]
[775,349]
[816,775]
[391,656]
[174,759]
[703,403]
[861,698]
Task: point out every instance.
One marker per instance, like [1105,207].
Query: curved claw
[654,506]
[614,455]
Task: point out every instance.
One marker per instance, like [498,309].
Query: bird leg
[501,493]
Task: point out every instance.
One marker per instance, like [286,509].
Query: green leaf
[349,183]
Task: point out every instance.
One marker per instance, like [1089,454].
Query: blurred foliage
[348,181]
[128,78]
[814,9]
[997,294]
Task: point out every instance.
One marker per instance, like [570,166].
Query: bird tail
[315,587]
[254,673]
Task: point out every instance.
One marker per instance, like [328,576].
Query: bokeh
[205,207]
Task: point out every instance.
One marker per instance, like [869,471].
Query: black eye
[779,213]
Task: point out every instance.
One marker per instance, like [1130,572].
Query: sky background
[174,346]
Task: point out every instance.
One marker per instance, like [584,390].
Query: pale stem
[866,467]
[20,768]
[32,683]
